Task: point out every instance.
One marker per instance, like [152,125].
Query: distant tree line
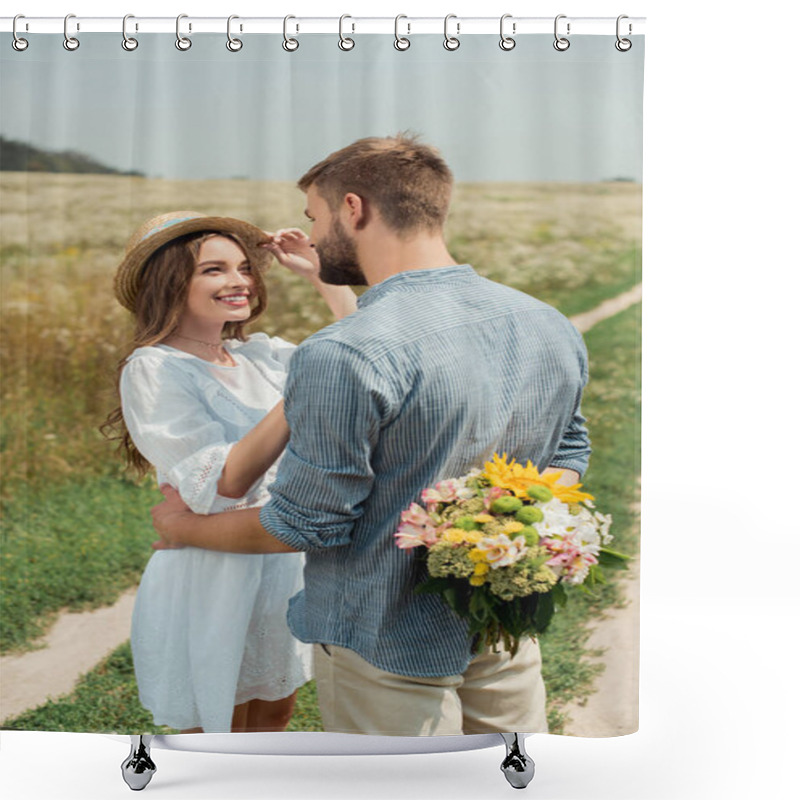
[21,157]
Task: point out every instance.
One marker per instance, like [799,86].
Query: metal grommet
[561,43]
[182,42]
[451,42]
[400,42]
[233,44]
[623,45]
[289,44]
[70,42]
[507,42]
[18,43]
[128,42]
[345,42]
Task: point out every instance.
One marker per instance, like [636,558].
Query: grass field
[75,530]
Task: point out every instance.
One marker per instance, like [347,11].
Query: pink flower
[409,535]
[569,558]
[448,490]
[416,515]
[431,497]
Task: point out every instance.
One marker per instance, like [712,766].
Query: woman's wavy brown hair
[162,298]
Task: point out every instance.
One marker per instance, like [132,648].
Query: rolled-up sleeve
[574,447]
[335,404]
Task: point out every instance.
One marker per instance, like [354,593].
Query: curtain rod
[404,25]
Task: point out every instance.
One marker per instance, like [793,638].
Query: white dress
[209,629]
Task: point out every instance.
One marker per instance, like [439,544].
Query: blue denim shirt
[436,371]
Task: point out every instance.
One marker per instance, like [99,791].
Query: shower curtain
[544,143]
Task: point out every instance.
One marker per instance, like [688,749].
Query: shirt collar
[414,277]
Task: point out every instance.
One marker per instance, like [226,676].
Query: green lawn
[77,545]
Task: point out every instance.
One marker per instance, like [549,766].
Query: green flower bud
[540,493]
[466,523]
[527,515]
[506,505]
[531,536]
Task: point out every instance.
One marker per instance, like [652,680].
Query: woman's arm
[254,454]
[293,250]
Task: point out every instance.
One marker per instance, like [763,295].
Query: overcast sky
[528,114]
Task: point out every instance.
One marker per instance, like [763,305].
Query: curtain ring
[18,43]
[233,44]
[128,42]
[507,42]
[561,43]
[181,42]
[70,42]
[400,42]
[289,44]
[623,45]
[451,42]
[345,42]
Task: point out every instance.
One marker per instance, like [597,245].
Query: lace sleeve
[173,430]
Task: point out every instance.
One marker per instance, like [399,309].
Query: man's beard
[338,260]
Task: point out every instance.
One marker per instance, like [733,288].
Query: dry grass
[61,237]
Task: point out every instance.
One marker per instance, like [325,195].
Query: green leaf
[479,608]
[612,558]
[559,595]
[545,609]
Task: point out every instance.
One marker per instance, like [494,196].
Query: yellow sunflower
[498,471]
[517,479]
[570,494]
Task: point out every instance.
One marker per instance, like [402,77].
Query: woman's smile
[236,300]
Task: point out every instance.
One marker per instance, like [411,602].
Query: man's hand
[293,249]
[168,518]
[237,531]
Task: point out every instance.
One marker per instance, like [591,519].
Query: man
[437,370]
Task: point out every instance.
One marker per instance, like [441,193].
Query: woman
[211,647]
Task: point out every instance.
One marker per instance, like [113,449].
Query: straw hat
[160,230]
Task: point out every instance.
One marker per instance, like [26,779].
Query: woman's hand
[293,249]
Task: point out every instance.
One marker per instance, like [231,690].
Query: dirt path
[613,708]
[77,642]
[583,322]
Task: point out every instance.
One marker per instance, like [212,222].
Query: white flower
[501,551]
[605,523]
[557,518]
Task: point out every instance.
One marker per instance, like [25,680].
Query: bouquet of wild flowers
[502,543]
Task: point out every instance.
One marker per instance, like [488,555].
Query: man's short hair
[408,182]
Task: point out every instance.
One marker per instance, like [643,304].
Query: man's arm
[230,532]
[575,447]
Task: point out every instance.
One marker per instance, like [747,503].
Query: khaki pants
[495,694]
